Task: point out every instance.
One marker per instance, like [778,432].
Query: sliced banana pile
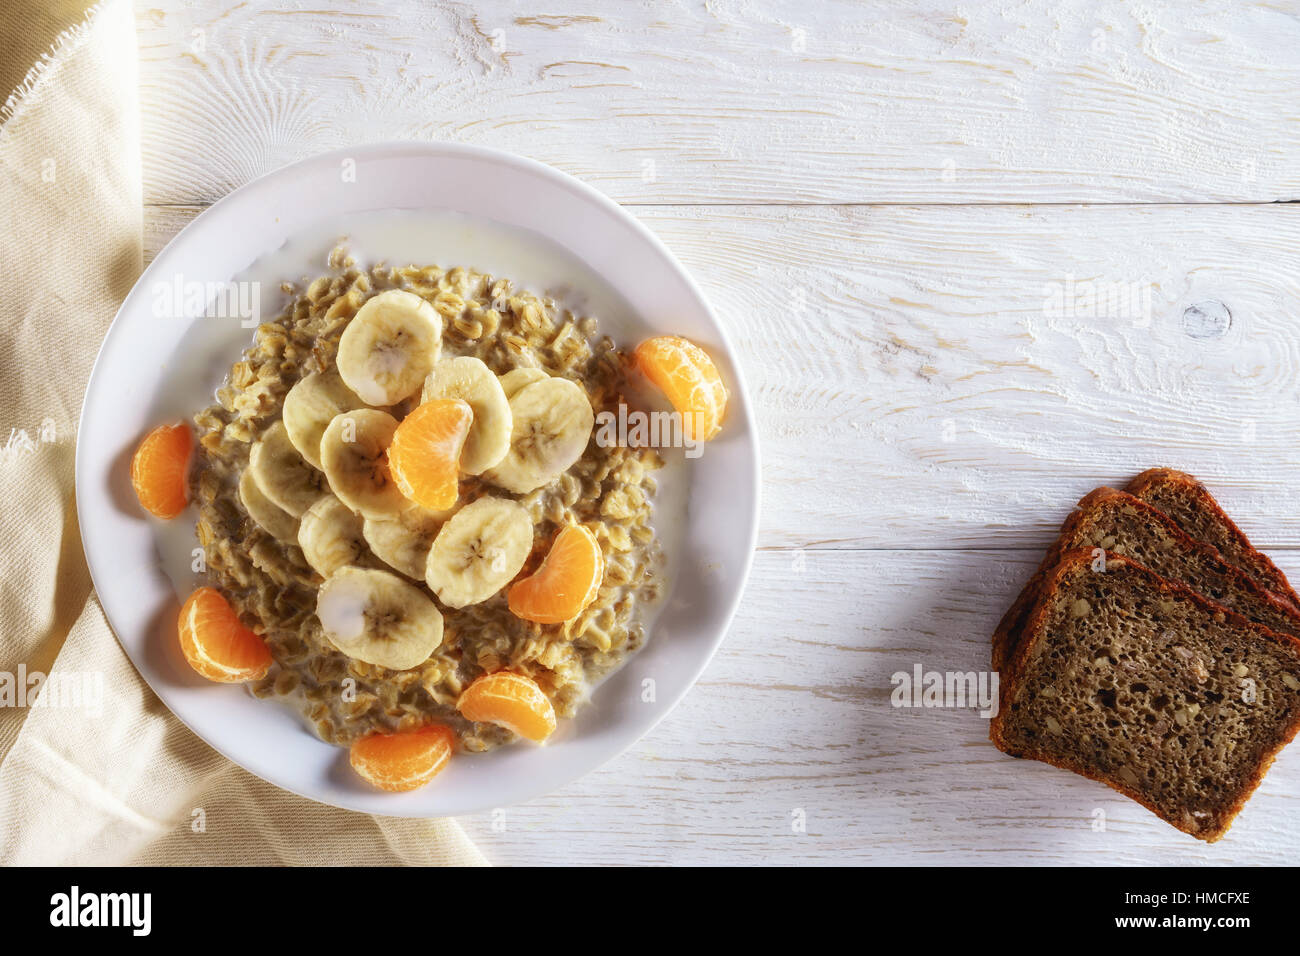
[376,617]
[389,347]
[551,424]
[320,478]
[470,380]
[272,519]
[330,535]
[353,453]
[478,551]
[311,405]
[283,475]
[517,378]
[403,541]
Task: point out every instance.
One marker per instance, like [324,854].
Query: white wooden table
[915,192]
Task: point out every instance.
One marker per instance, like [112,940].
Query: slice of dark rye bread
[1143,684]
[1193,508]
[1116,521]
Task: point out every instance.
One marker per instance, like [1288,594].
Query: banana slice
[467,378]
[552,425]
[353,454]
[311,405]
[389,347]
[517,378]
[376,617]
[282,474]
[269,516]
[478,551]
[403,541]
[330,536]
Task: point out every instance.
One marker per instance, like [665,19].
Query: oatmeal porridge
[413,532]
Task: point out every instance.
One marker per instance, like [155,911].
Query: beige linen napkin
[122,781]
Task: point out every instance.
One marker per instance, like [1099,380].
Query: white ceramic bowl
[124,549]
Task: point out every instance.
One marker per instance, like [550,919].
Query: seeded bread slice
[1110,520]
[1194,509]
[1149,687]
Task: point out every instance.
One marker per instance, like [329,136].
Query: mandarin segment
[565,584]
[424,457]
[216,644]
[689,378]
[404,760]
[512,701]
[160,470]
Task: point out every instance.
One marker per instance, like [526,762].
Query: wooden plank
[742,101]
[919,385]
[794,714]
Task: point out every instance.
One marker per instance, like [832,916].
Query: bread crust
[1034,632]
[1269,574]
[1007,634]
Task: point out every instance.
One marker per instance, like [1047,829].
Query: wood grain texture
[918,386]
[794,714]
[745,101]
[930,403]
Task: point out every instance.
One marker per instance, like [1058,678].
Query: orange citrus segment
[405,760]
[160,470]
[566,582]
[424,456]
[510,700]
[689,378]
[216,644]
